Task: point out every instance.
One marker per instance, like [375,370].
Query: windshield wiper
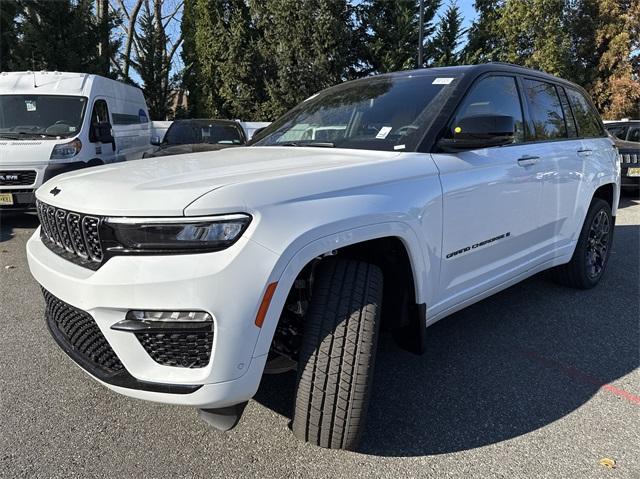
[319,144]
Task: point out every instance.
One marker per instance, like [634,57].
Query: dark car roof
[209,120]
[474,71]
[621,123]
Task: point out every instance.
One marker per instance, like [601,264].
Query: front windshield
[386,114]
[202,131]
[40,116]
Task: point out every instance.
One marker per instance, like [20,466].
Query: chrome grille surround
[74,236]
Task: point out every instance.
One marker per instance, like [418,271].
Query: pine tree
[443,47]
[58,35]
[392,32]
[304,46]
[9,12]
[150,65]
[484,42]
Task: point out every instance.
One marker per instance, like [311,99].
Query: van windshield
[386,113]
[40,116]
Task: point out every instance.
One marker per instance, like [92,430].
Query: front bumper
[226,284]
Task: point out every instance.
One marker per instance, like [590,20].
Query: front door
[105,149]
[491,202]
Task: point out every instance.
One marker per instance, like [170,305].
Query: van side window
[99,114]
[586,117]
[572,129]
[494,95]
[546,112]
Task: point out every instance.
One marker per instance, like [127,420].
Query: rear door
[491,201]
[562,155]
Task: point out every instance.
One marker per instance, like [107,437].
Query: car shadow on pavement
[504,367]
[628,198]
[9,221]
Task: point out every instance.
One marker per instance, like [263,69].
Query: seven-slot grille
[629,157]
[17,178]
[71,235]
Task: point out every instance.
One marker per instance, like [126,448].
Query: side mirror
[477,132]
[155,141]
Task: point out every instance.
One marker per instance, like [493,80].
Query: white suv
[181,279]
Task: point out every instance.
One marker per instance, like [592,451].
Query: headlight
[167,235]
[65,151]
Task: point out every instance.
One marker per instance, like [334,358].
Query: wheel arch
[359,242]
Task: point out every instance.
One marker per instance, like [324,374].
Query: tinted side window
[619,132]
[634,134]
[568,115]
[586,117]
[495,95]
[546,112]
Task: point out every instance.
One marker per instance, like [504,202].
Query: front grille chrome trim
[74,236]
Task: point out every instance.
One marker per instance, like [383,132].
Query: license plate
[633,172]
[6,199]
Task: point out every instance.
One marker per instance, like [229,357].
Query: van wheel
[336,363]
[591,255]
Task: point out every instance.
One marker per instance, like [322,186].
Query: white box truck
[55,122]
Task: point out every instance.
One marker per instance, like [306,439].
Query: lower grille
[17,178]
[81,334]
[181,349]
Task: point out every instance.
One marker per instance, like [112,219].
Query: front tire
[592,251]
[336,364]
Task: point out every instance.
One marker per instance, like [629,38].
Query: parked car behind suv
[193,136]
[627,138]
[183,281]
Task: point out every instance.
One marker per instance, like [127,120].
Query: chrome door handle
[528,160]
[585,152]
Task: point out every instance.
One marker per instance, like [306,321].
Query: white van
[54,122]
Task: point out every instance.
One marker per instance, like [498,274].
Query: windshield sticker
[384,131]
[72,128]
[399,147]
[30,104]
[442,81]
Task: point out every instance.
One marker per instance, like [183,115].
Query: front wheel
[336,363]
[592,251]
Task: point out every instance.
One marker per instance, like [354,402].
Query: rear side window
[547,117]
[619,132]
[634,134]
[568,115]
[586,117]
[494,95]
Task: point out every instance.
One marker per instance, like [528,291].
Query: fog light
[136,321]
[169,316]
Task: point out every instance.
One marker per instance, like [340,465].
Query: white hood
[167,185]
[25,152]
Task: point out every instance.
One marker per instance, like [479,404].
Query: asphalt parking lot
[537,381]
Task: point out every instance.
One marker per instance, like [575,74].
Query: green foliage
[304,46]
[443,48]
[484,42]
[150,62]
[9,12]
[392,32]
[57,35]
